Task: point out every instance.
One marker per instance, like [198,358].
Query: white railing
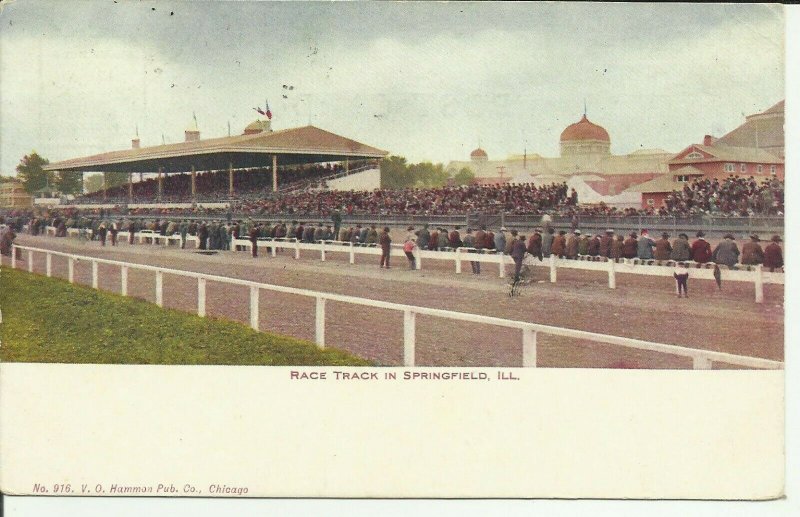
[756,274]
[701,359]
[627,266]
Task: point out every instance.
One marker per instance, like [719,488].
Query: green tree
[395,173]
[93,183]
[427,175]
[464,176]
[69,182]
[33,176]
[115,179]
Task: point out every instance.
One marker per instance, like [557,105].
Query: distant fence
[701,359]
[754,274]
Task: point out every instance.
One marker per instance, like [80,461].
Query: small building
[13,195]
[717,160]
[655,192]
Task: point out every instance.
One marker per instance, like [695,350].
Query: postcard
[393,250]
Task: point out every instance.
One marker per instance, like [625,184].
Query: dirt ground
[641,307]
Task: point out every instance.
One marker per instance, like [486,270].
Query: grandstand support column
[160,182]
[346,165]
[230,178]
[130,187]
[274,172]
[104,186]
[194,177]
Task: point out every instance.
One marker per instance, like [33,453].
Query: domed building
[479,155]
[585,158]
[585,138]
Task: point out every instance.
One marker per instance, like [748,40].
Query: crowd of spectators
[490,199]
[214,185]
[734,195]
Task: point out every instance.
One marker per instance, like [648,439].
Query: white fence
[701,359]
[626,266]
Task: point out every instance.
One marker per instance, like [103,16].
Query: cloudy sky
[426,81]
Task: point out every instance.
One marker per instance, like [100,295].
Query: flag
[260,111]
[268,112]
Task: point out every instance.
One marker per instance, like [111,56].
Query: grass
[50,320]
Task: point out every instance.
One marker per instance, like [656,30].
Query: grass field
[50,320]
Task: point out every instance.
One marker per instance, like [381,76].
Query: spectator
[605,243]
[681,275]
[559,244]
[500,240]
[726,252]
[630,247]
[535,244]
[752,254]
[408,247]
[386,243]
[423,237]
[616,248]
[773,256]
[701,249]
[645,246]
[681,251]
[547,240]
[663,249]
[518,254]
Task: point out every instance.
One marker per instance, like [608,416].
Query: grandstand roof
[293,146]
[763,130]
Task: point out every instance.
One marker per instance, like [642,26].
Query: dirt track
[641,307]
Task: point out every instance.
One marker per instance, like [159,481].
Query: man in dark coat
[773,256]
[572,245]
[726,252]
[455,238]
[535,244]
[593,249]
[681,251]
[752,254]
[255,230]
[423,237]
[630,246]
[386,245]
[701,249]
[605,244]
[202,235]
[559,244]
[131,231]
[663,248]
[433,240]
[518,253]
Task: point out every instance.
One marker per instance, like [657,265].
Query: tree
[93,183]
[33,176]
[69,182]
[115,179]
[428,175]
[395,173]
[464,176]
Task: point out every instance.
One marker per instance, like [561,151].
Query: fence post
[528,348]
[418,258]
[30,261]
[502,257]
[701,363]
[49,264]
[320,322]
[14,256]
[124,280]
[274,249]
[458,261]
[612,275]
[71,270]
[201,297]
[94,274]
[254,307]
[409,337]
[759,283]
[322,250]
[352,254]
[297,249]
[160,288]
[552,268]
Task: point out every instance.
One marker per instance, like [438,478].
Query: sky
[426,81]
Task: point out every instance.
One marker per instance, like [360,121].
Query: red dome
[478,153]
[584,130]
